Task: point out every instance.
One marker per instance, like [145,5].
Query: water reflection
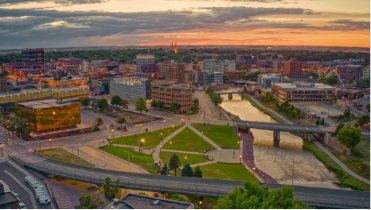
[276,157]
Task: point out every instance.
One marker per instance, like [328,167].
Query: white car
[44,200]
[22,205]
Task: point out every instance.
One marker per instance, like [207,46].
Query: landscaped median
[63,155]
[187,140]
[222,135]
[231,171]
[346,179]
[144,161]
[150,139]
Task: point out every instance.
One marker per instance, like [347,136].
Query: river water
[277,159]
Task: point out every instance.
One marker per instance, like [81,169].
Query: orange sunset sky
[69,23]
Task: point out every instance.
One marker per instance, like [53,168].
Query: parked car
[138,125]
[22,205]
[120,128]
[44,199]
[146,110]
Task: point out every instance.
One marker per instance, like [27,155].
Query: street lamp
[185,159]
[238,143]
[240,158]
[161,139]
[182,121]
[253,171]
[141,144]
[112,134]
[50,140]
[173,128]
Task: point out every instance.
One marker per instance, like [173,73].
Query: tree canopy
[85,101]
[174,163]
[350,136]
[117,100]
[198,172]
[252,196]
[140,105]
[109,189]
[88,202]
[121,120]
[364,120]
[187,170]
[102,104]
[174,107]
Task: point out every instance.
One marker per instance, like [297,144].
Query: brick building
[169,93]
[292,67]
[233,74]
[172,71]
[350,72]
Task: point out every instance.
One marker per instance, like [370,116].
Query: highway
[318,197]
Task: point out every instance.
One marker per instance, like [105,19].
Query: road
[319,197]
[349,104]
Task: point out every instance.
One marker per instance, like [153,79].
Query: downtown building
[172,71]
[169,93]
[212,65]
[292,67]
[130,88]
[350,72]
[144,60]
[211,78]
[303,92]
[247,58]
[31,59]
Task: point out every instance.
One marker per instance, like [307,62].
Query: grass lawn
[329,163]
[227,171]
[144,161]
[222,135]
[191,158]
[63,155]
[222,116]
[151,138]
[365,144]
[187,140]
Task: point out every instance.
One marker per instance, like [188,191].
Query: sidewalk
[205,138]
[280,116]
[346,169]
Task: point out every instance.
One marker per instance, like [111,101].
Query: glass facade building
[49,114]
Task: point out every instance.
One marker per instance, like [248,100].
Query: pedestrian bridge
[317,197]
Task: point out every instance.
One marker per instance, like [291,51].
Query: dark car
[146,110]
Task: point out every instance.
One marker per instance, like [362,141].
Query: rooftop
[135,201]
[43,104]
[7,198]
[304,86]
[299,76]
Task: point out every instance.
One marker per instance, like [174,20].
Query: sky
[79,23]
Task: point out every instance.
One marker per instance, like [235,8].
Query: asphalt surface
[189,185]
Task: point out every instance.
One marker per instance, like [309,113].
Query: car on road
[138,125]
[120,128]
[9,139]
[22,205]
[146,110]
[124,130]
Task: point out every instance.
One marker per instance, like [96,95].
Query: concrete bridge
[278,127]
[317,197]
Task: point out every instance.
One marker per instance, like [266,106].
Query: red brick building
[169,93]
[292,67]
[233,74]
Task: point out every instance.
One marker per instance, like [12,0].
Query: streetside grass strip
[187,140]
[222,135]
[63,155]
[151,138]
[144,161]
[227,171]
[346,179]
[191,158]
[272,115]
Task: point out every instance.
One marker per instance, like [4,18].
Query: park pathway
[346,169]
[204,137]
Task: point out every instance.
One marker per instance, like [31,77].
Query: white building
[212,65]
[212,78]
[130,88]
[229,65]
[144,60]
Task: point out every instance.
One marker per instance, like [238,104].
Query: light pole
[238,143]
[161,139]
[164,123]
[202,135]
[168,159]
[112,134]
[160,149]
[292,179]
[50,140]
[173,128]
[253,171]
[182,121]
[141,144]
[185,160]
[240,158]
[204,111]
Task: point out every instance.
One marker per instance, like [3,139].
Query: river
[277,160]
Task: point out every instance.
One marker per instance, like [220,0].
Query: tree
[109,189]
[314,74]
[351,98]
[196,101]
[216,99]
[98,122]
[178,198]
[121,120]
[174,107]
[226,77]
[57,78]
[140,105]
[323,80]
[333,80]
[365,83]
[102,104]
[298,112]
[198,172]
[88,202]
[154,104]
[116,100]
[252,196]
[194,108]
[364,120]
[174,163]
[187,170]
[350,136]
[347,113]
[125,102]
[85,101]
[10,109]
[23,126]
[335,98]
[209,90]
[368,106]
[196,83]
[323,121]
[160,104]
[164,170]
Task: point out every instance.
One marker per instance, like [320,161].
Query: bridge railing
[129,183]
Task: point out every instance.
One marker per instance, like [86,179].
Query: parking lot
[324,108]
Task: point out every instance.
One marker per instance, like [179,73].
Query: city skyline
[61,23]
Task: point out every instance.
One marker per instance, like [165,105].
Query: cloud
[348,24]
[61,2]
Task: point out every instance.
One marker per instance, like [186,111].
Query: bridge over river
[317,197]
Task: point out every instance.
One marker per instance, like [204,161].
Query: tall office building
[247,58]
[144,60]
[212,65]
[292,67]
[34,57]
[172,71]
